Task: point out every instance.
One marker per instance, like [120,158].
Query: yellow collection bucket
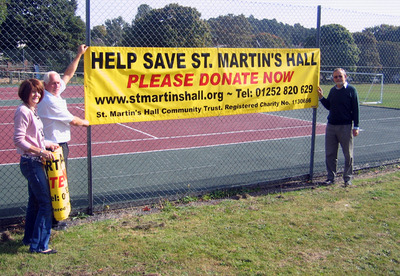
[57,175]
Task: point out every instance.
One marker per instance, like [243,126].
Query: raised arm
[70,71]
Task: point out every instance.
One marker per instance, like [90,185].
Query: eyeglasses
[336,77]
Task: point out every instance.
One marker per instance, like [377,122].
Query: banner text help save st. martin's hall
[125,84]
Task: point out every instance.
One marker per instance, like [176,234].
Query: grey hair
[340,69]
[47,75]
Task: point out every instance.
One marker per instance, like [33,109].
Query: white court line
[200,147]
[367,120]
[286,117]
[185,148]
[131,128]
[208,134]
[211,134]
[210,146]
[7,108]
[188,136]
[202,135]
[380,119]
[370,145]
[128,127]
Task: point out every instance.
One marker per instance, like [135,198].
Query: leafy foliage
[292,36]
[42,25]
[369,55]
[142,11]
[338,47]
[98,35]
[231,31]
[171,26]
[109,34]
[47,31]
[266,40]
[389,53]
[385,33]
[3,11]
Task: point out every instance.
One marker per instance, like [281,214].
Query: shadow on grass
[11,247]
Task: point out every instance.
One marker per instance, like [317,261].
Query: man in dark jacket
[343,119]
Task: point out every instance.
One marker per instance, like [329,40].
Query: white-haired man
[343,120]
[53,111]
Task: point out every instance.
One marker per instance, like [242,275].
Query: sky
[383,12]
[331,10]
[387,7]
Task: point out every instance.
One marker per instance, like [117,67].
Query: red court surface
[130,138]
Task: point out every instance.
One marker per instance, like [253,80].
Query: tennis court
[145,160]
[146,136]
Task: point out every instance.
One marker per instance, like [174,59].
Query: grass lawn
[372,93]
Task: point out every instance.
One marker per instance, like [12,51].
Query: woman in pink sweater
[30,143]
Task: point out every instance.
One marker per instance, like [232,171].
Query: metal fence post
[89,129]
[314,119]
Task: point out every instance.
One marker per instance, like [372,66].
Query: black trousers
[65,152]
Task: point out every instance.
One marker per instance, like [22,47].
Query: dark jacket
[343,106]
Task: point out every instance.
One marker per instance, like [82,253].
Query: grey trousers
[335,135]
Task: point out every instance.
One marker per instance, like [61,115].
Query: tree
[3,14]
[115,28]
[142,11]
[293,36]
[338,48]
[98,35]
[265,40]
[171,26]
[59,28]
[44,28]
[300,35]
[231,31]
[109,34]
[389,53]
[3,11]
[385,33]
[369,61]
[388,44]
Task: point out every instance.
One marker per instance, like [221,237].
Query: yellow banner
[125,84]
[57,175]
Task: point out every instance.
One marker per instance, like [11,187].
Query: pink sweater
[28,130]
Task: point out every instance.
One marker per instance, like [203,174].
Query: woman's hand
[47,155]
[53,147]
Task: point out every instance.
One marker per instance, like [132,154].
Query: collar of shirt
[49,94]
[344,85]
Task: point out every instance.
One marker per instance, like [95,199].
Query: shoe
[47,252]
[59,226]
[347,183]
[329,182]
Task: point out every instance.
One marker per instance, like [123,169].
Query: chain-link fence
[144,162]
